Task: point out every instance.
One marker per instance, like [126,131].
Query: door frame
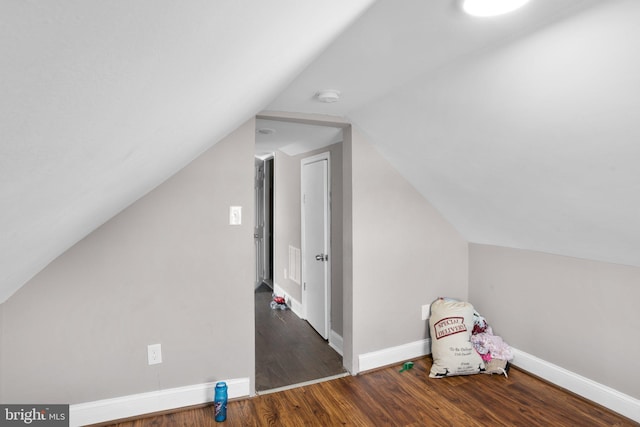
[349,353]
[327,241]
[264,247]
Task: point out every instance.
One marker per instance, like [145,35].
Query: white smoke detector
[328,95]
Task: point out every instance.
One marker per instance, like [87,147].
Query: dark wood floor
[288,350]
[387,397]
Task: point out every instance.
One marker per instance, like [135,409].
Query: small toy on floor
[278,303]
[406,366]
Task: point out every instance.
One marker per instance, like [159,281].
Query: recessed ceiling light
[266,131]
[491,7]
[328,95]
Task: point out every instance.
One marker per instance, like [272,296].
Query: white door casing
[259,221]
[316,260]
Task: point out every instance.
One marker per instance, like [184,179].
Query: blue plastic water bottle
[220,401]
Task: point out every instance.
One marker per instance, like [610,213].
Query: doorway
[289,350]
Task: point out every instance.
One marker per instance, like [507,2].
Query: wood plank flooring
[387,397]
[288,350]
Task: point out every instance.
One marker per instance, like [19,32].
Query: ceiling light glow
[491,7]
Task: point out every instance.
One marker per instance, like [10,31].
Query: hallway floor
[288,350]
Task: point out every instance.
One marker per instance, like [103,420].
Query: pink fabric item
[493,345]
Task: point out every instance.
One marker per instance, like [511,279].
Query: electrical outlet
[154,354]
[425,312]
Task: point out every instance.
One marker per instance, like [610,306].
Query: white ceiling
[100,101]
[293,138]
[521,129]
[534,145]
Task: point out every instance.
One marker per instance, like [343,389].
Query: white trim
[601,394]
[589,389]
[266,156]
[162,400]
[144,403]
[302,384]
[304,118]
[336,342]
[293,304]
[389,356]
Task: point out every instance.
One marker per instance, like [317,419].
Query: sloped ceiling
[535,145]
[521,129]
[100,101]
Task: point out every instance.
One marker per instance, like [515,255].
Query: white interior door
[315,243]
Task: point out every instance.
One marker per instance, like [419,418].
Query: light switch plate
[235,215]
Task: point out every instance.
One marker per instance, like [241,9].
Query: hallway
[288,350]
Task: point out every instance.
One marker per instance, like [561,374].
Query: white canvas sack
[450,325]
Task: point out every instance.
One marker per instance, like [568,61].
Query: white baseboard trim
[603,395]
[294,305]
[388,356]
[155,401]
[589,389]
[336,342]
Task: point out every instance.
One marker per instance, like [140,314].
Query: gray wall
[337,290]
[404,254]
[288,228]
[286,219]
[169,269]
[349,360]
[578,314]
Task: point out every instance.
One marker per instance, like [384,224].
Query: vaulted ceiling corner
[102,101]
[521,130]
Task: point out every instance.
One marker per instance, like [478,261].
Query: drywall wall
[286,220]
[288,228]
[405,254]
[349,358]
[580,315]
[169,269]
[337,291]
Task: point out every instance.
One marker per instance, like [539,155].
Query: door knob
[322,257]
